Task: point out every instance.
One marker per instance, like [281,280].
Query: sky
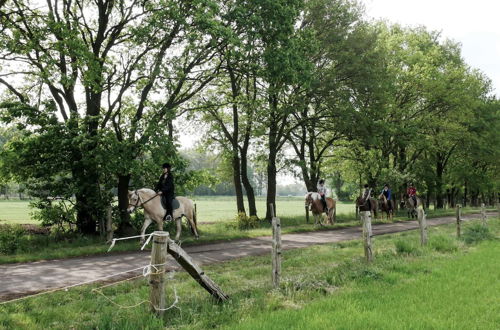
[474,24]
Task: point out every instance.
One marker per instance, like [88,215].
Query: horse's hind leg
[179,228]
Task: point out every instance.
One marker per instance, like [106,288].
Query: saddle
[175,204]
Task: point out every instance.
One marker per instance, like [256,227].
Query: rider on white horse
[165,188]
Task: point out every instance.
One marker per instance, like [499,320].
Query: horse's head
[134,201]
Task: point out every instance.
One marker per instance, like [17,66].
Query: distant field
[15,211]
[210,209]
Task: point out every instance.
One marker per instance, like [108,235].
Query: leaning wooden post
[422,222]
[367,234]
[458,207]
[483,214]
[276,253]
[157,275]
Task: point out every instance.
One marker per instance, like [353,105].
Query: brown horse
[154,211]
[362,205]
[313,200]
[386,206]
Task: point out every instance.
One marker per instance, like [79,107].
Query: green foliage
[476,233]
[54,213]
[246,222]
[11,237]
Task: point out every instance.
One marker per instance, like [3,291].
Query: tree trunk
[439,185]
[271,180]
[246,183]
[240,205]
[125,227]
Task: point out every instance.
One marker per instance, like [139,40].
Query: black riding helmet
[321,181]
[166,165]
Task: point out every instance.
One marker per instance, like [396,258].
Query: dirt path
[27,278]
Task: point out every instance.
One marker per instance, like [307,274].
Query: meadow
[447,284]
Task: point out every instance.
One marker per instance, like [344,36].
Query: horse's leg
[179,228]
[147,222]
[192,224]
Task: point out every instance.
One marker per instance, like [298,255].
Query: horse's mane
[314,196]
[146,191]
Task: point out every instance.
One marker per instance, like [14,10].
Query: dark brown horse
[363,205]
[386,206]
[313,200]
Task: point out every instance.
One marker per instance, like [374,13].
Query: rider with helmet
[322,191]
[386,191]
[165,188]
[412,193]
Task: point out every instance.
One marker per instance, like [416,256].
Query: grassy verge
[445,285]
[39,247]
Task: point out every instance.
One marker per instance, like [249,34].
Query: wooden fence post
[367,234]
[157,276]
[458,214]
[276,253]
[422,222]
[483,214]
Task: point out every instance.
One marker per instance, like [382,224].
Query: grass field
[447,285]
[210,209]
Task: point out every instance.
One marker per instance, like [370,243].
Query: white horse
[153,210]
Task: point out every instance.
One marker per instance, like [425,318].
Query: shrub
[11,237]
[54,213]
[406,247]
[245,222]
[476,233]
[443,243]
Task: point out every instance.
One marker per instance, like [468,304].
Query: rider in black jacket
[165,187]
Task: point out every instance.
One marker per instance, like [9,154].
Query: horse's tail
[195,216]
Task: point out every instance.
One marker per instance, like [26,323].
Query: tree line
[92,90]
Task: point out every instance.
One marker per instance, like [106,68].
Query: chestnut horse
[313,200]
[153,210]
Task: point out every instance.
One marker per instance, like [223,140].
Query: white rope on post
[129,237]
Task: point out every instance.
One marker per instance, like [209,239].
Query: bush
[443,243]
[245,222]
[11,237]
[406,247]
[476,233]
[54,213]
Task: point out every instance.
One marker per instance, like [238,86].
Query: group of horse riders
[386,193]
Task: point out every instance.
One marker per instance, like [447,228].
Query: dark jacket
[166,185]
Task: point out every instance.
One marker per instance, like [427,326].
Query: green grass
[15,212]
[323,287]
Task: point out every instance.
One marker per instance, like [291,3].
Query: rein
[140,200]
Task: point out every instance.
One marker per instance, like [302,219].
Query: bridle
[139,199]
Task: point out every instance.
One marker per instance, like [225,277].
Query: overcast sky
[472,23]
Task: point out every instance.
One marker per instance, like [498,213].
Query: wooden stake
[458,214]
[422,222]
[276,254]
[483,215]
[157,276]
[195,271]
[367,234]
